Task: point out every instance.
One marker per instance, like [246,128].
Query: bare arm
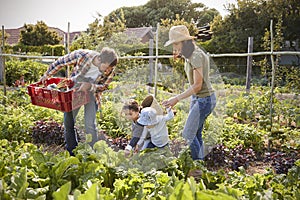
[142,138]
[193,89]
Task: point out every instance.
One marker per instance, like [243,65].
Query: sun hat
[150,101]
[148,117]
[178,34]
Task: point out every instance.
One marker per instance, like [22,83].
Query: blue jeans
[90,110]
[200,109]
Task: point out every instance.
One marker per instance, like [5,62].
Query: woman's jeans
[90,110]
[200,109]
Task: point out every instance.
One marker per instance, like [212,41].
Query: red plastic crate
[55,99]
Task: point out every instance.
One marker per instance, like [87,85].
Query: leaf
[91,193]
[63,192]
[19,183]
[64,165]
[187,193]
[209,194]
[177,192]
[38,157]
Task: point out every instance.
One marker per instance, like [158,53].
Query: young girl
[156,125]
[131,109]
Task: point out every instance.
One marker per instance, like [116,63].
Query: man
[92,72]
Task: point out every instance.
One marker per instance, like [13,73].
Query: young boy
[156,125]
[131,110]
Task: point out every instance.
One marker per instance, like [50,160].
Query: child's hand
[127,153]
[136,149]
[168,109]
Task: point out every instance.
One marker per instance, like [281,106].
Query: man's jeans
[200,109]
[90,110]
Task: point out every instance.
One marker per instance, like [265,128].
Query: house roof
[14,35]
[140,32]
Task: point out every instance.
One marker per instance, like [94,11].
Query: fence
[249,55]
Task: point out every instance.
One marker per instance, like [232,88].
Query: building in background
[14,35]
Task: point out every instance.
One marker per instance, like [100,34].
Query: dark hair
[188,48]
[131,105]
[108,55]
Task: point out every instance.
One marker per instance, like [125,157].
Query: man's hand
[43,79]
[85,86]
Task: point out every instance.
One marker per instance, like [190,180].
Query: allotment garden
[252,146]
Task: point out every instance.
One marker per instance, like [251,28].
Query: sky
[79,13]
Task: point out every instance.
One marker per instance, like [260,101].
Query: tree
[91,38]
[38,35]
[167,9]
[6,35]
[113,23]
[97,33]
[250,18]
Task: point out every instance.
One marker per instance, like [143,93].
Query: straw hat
[148,117]
[178,34]
[150,101]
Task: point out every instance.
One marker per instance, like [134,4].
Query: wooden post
[156,62]
[151,61]
[3,66]
[68,50]
[273,80]
[249,64]
[68,38]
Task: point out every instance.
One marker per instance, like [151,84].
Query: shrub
[31,71]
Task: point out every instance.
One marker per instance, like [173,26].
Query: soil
[176,147]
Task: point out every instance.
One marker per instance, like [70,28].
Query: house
[204,33]
[145,33]
[290,59]
[14,35]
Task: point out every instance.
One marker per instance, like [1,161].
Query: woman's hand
[170,102]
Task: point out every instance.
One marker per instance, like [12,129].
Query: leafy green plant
[31,71]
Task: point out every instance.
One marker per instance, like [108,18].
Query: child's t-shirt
[159,133]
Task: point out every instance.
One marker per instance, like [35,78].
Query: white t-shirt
[93,72]
[159,133]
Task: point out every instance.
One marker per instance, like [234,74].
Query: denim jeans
[90,110]
[200,109]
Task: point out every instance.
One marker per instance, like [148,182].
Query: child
[131,110]
[156,125]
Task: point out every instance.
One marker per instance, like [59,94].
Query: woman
[203,99]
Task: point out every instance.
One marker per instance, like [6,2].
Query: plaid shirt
[81,60]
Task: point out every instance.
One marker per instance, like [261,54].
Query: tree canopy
[38,35]
[156,10]
[251,18]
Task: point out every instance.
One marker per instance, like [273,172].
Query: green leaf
[64,165]
[91,193]
[19,183]
[63,192]
[209,195]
